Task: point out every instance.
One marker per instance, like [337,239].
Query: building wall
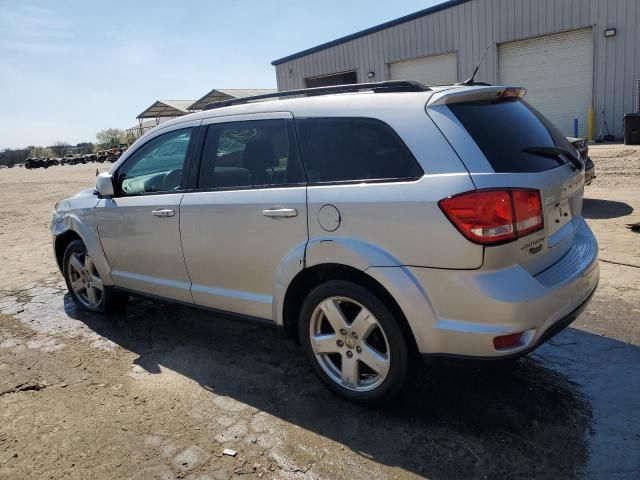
[469,27]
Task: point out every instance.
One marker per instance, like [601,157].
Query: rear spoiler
[466,94]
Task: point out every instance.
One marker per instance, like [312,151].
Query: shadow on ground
[456,420]
[595,208]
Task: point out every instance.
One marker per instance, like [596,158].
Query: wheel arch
[61,243]
[72,227]
[309,278]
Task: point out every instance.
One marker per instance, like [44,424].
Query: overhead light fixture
[610,32]
[371,74]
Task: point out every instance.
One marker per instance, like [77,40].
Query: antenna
[471,81]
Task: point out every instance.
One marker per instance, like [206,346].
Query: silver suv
[373,223]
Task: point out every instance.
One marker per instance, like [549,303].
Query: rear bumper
[463,311]
[547,335]
[589,172]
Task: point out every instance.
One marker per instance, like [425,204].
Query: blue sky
[71,68]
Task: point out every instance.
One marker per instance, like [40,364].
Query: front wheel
[354,343]
[84,282]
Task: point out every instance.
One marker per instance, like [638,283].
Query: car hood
[85,193]
[83,199]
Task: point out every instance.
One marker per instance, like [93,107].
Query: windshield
[504,129]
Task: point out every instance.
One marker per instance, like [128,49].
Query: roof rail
[377,87]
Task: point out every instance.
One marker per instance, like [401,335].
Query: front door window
[156,166]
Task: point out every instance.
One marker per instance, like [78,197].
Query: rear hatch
[505,143]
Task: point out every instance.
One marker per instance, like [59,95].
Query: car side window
[354,149]
[250,154]
[157,166]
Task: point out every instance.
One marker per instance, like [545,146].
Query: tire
[372,347]
[76,267]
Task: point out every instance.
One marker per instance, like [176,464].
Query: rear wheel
[84,282]
[353,342]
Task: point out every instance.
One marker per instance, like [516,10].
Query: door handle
[165,212]
[280,212]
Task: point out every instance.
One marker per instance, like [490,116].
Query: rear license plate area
[558,215]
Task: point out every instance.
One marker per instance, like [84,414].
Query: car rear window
[354,149]
[503,128]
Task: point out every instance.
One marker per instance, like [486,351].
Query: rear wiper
[558,153]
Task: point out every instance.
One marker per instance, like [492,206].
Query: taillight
[493,216]
[528,208]
[513,92]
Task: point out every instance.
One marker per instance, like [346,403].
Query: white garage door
[434,70]
[557,71]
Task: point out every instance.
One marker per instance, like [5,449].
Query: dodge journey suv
[373,223]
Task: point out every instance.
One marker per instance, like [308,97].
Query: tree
[87,147]
[42,152]
[132,136]
[59,147]
[110,137]
[10,157]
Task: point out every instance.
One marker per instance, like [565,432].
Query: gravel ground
[616,165]
[161,391]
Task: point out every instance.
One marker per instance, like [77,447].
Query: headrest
[259,155]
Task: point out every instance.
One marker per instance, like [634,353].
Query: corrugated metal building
[573,56]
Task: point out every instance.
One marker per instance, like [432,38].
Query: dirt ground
[160,391]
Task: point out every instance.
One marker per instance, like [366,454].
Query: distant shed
[219,94]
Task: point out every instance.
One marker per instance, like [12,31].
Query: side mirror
[104,185]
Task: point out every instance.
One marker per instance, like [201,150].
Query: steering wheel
[172,180]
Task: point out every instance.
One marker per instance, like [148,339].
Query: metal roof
[166,108]
[219,94]
[368,31]
[147,124]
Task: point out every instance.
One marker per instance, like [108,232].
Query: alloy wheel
[85,280]
[349,344]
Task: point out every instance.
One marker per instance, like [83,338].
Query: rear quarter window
[354,149]
[503,128]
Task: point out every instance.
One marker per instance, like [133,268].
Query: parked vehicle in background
[373,222]
[72,159]
[32,163]
[115,153]
[41,162]
[582,146]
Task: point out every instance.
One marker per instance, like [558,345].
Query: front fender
[77,222]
